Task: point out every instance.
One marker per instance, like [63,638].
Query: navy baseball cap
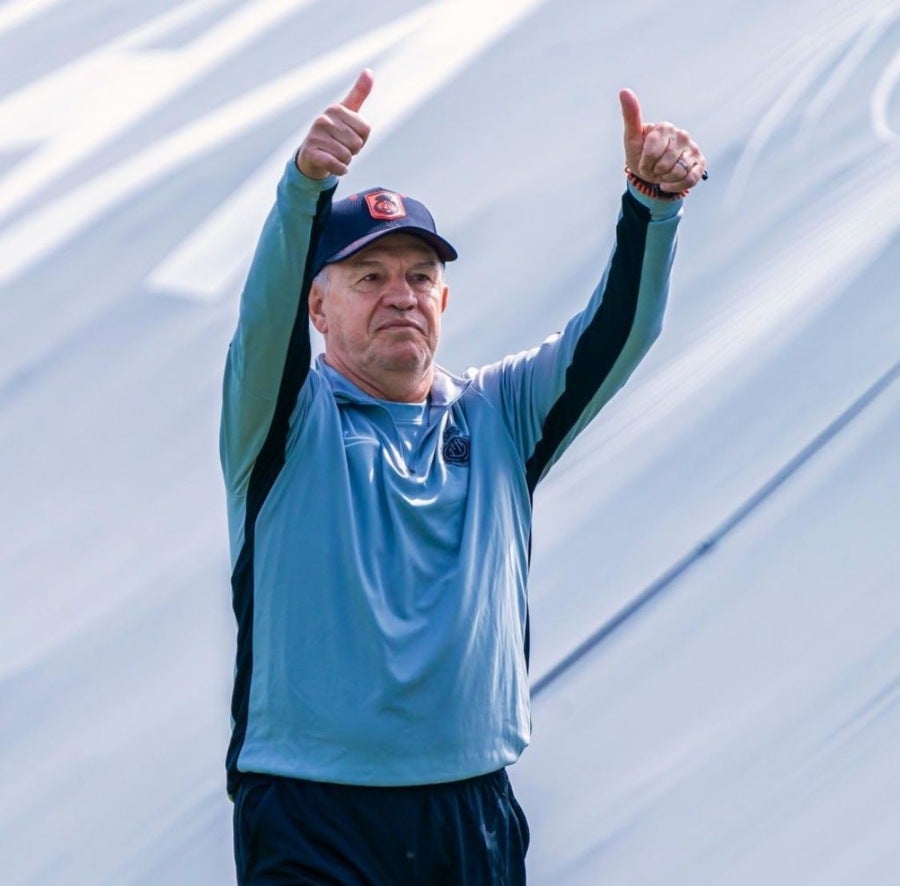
[358,220]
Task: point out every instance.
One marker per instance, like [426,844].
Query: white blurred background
[725,531]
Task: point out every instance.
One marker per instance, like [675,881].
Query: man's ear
[445,297]
[317,308]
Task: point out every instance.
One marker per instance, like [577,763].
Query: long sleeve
[547,395]
[269,356]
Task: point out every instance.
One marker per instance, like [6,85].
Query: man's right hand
[337,135]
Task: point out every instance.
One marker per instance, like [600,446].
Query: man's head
[379,292]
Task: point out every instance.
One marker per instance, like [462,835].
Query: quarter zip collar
[446,389]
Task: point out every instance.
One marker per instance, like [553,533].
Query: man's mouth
[400,324]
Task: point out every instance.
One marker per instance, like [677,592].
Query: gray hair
[321,279]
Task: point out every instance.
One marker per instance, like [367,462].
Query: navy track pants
[463,833]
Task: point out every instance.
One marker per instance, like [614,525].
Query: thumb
[360,91]
[631,116]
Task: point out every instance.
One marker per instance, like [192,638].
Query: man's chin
[408,359]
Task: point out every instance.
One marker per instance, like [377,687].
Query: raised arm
[549,394]
[269,356]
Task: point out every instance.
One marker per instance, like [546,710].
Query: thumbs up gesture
[659,153]
[337,135]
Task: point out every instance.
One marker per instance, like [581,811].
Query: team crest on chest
[456,447]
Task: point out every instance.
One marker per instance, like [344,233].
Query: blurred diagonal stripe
[19,11]
[704,547]
[29,241]
[447,39]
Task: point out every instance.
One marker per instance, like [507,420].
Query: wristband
[651,189]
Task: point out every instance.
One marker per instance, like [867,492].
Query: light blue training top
[380,550]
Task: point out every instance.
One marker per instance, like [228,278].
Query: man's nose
[399,294]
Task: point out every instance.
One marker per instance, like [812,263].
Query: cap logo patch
[385,205]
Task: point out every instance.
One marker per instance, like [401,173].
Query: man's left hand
[659,153]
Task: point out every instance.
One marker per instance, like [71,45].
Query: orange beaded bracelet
[651,189]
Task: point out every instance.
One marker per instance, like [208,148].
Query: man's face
[380,312]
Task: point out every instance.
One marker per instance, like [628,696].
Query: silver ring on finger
[680,162]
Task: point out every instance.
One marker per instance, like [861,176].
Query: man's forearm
[273,306]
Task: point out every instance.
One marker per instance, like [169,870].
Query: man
[380,514]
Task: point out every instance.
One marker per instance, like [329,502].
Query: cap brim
[445,252]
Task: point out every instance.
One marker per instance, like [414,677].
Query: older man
[380,519]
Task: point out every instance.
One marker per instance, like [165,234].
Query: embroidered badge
[385,205]
[456,448]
